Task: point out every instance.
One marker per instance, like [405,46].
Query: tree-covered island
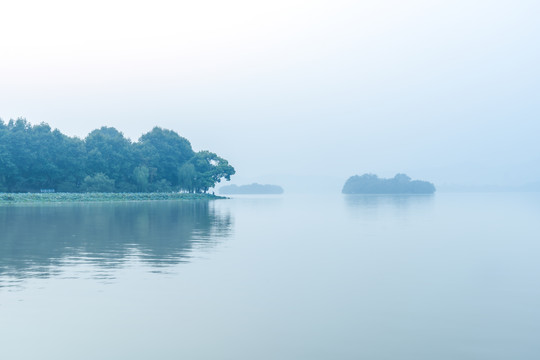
[251,189]
[37,158]
[399,184]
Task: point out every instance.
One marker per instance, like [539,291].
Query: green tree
[110,153]
[187,177]
[210,169]
[98,183]
[141,175]
[165,151]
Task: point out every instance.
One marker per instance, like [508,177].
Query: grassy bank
[12,198]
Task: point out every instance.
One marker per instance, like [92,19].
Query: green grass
[11,198]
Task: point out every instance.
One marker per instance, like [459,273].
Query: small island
[251,189]
[399,184]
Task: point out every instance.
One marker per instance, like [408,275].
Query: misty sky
[446,91]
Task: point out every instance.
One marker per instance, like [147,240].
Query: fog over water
[292,92]
[419,277]
[301,94]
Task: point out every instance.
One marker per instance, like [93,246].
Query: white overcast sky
[447,91]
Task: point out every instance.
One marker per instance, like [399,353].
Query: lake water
[449,276]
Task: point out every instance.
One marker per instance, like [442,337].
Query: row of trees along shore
[36,157]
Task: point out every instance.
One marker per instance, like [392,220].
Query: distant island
[399,184]
[250,189]
[37,159]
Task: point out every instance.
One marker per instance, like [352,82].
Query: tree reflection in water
[39,241]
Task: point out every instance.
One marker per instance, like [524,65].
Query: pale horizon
[292,89]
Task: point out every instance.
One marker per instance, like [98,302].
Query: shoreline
[38,198]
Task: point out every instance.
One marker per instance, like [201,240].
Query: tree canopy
[35,157]
[399,184]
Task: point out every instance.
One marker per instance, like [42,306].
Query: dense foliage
[399,184]
[251,189]
[36,157]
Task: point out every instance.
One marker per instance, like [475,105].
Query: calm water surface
[450,276]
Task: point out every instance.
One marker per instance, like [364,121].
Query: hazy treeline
[399,184]
[37,157]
